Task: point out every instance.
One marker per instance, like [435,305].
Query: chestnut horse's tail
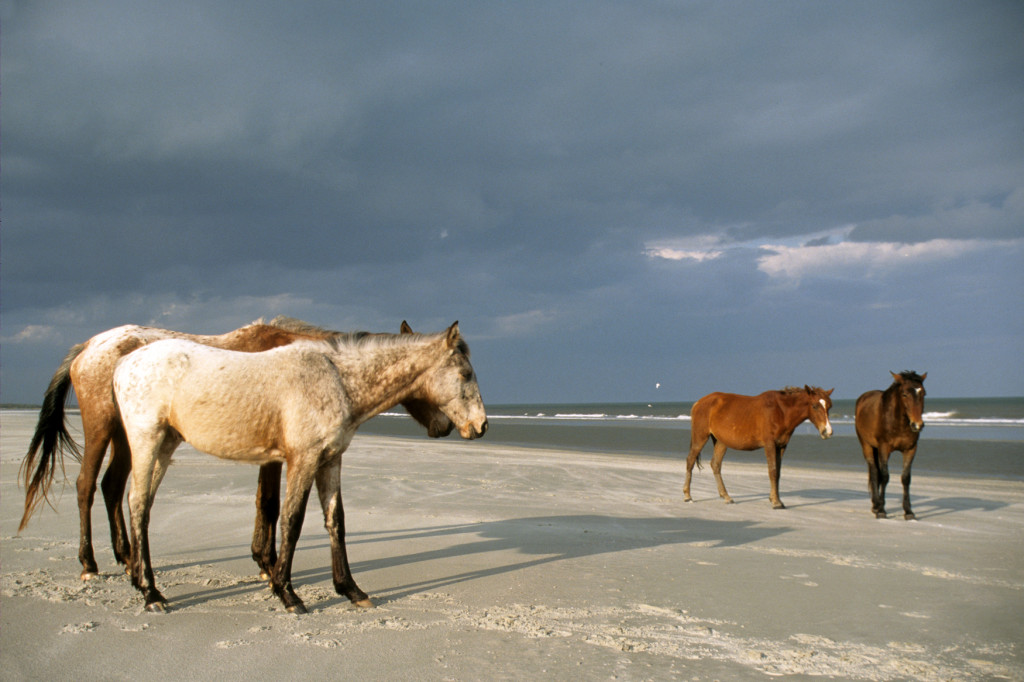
[52,434]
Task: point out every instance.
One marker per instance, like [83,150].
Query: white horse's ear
[453,335]
[405,328]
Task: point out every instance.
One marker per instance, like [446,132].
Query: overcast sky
[608,196]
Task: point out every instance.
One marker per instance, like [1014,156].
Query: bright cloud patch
[860,258]
[668,253]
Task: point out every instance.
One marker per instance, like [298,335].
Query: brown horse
[886,421]
[744,422]
[89,369]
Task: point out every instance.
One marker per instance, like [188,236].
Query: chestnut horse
[744,422]
[89,369]
[299,404]
[886,421]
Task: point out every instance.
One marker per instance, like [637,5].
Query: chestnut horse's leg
[292,515]
[114,482]
[908,459]
[716,468]
[328,486]
[268,509]
[774,455]
[698,438]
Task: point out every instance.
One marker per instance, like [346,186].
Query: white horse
[299,404]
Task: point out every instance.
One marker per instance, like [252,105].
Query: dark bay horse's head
[452,386]
[909,390]
[820,404]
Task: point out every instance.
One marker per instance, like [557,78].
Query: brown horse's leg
[268,509]
[908,459]
[292,515]
[114,482]
[697,442]
[328,485]
[96,438]
[774,456]
[716,468]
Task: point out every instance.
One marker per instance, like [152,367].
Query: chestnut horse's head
[909,388]
[820,404]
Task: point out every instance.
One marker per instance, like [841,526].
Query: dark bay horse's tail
[52,434]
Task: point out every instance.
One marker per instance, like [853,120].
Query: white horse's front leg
[293,512]
[328,486]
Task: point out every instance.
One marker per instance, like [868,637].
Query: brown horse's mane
[908,375]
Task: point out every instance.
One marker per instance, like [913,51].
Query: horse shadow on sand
[531,541]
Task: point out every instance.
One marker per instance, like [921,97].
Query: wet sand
[491,561]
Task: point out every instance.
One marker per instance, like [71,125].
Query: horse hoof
[778,506]
[910,516]
[297,609]
[264,575]
[881,515]
[89,575]
[157,607]
[364,603]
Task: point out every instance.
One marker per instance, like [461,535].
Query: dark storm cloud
[670,174]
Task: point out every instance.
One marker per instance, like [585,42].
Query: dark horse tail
[52,434]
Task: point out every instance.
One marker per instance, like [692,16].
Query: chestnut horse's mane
[796,389]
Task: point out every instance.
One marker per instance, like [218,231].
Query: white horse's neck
[377,375]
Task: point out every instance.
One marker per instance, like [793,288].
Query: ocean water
[972,436]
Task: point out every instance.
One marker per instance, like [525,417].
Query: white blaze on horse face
[827,431]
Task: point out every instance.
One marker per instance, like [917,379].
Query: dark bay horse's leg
[697,442]
[871,456]
[716,468]
[908,459]
[883,481]
[293,513]
[115,480]
[774,455]
[268,509]
[328,485]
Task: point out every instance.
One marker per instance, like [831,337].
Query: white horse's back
[235,405]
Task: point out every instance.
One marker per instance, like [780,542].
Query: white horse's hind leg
[151,457]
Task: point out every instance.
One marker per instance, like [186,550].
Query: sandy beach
[489,561]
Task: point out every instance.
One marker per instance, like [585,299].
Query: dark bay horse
[298,404]
[89,369]
[886,421]
[744,422]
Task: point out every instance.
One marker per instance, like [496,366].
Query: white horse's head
[452,386]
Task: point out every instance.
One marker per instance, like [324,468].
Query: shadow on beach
[543,539]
